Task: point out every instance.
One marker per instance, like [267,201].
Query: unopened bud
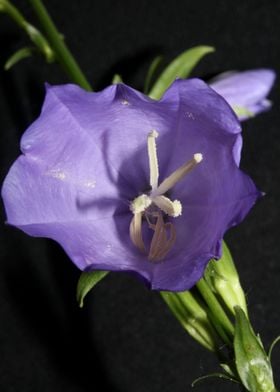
[252,363]
[223,278]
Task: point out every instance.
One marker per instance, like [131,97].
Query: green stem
[12,12]
[62,53]
[215,307]
[34,34]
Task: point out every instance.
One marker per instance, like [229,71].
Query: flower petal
[201,116]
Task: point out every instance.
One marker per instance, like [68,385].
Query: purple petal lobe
[85,160]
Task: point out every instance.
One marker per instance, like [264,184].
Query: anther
[198,157]
[140,204]
[171,208]
[161,244]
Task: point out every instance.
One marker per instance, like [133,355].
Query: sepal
[117,79]
[86,282]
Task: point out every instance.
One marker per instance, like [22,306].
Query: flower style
[127,183]
[246,91]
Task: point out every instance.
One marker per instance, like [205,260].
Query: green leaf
[17,56]
[86,282]
[252,363]
[151,72]
[181,67]
[117,79]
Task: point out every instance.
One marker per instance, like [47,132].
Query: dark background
[125,338]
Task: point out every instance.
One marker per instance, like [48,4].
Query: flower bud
[246,92]
[252,362]
[224,280]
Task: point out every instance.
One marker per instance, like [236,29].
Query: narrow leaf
[17,56]
[86,282]
[151,73]
[181,67]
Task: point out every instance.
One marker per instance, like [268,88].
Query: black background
[125,338]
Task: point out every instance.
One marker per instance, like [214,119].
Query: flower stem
[12,11]
[63,55]
[215,307]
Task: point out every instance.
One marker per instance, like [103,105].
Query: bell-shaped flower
[127,183]
[246,92]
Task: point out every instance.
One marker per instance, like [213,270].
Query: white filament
[178,174]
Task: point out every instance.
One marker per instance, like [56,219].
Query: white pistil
[177,175]
[153,161]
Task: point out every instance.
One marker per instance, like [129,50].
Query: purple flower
[246,91]
[126,183]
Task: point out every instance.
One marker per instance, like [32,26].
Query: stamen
[169,244]
[140,203]
[160,245]
[153,161]
[171,208]
[177,175]
[158,239]
[135,231]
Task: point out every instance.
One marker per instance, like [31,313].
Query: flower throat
[154,206]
